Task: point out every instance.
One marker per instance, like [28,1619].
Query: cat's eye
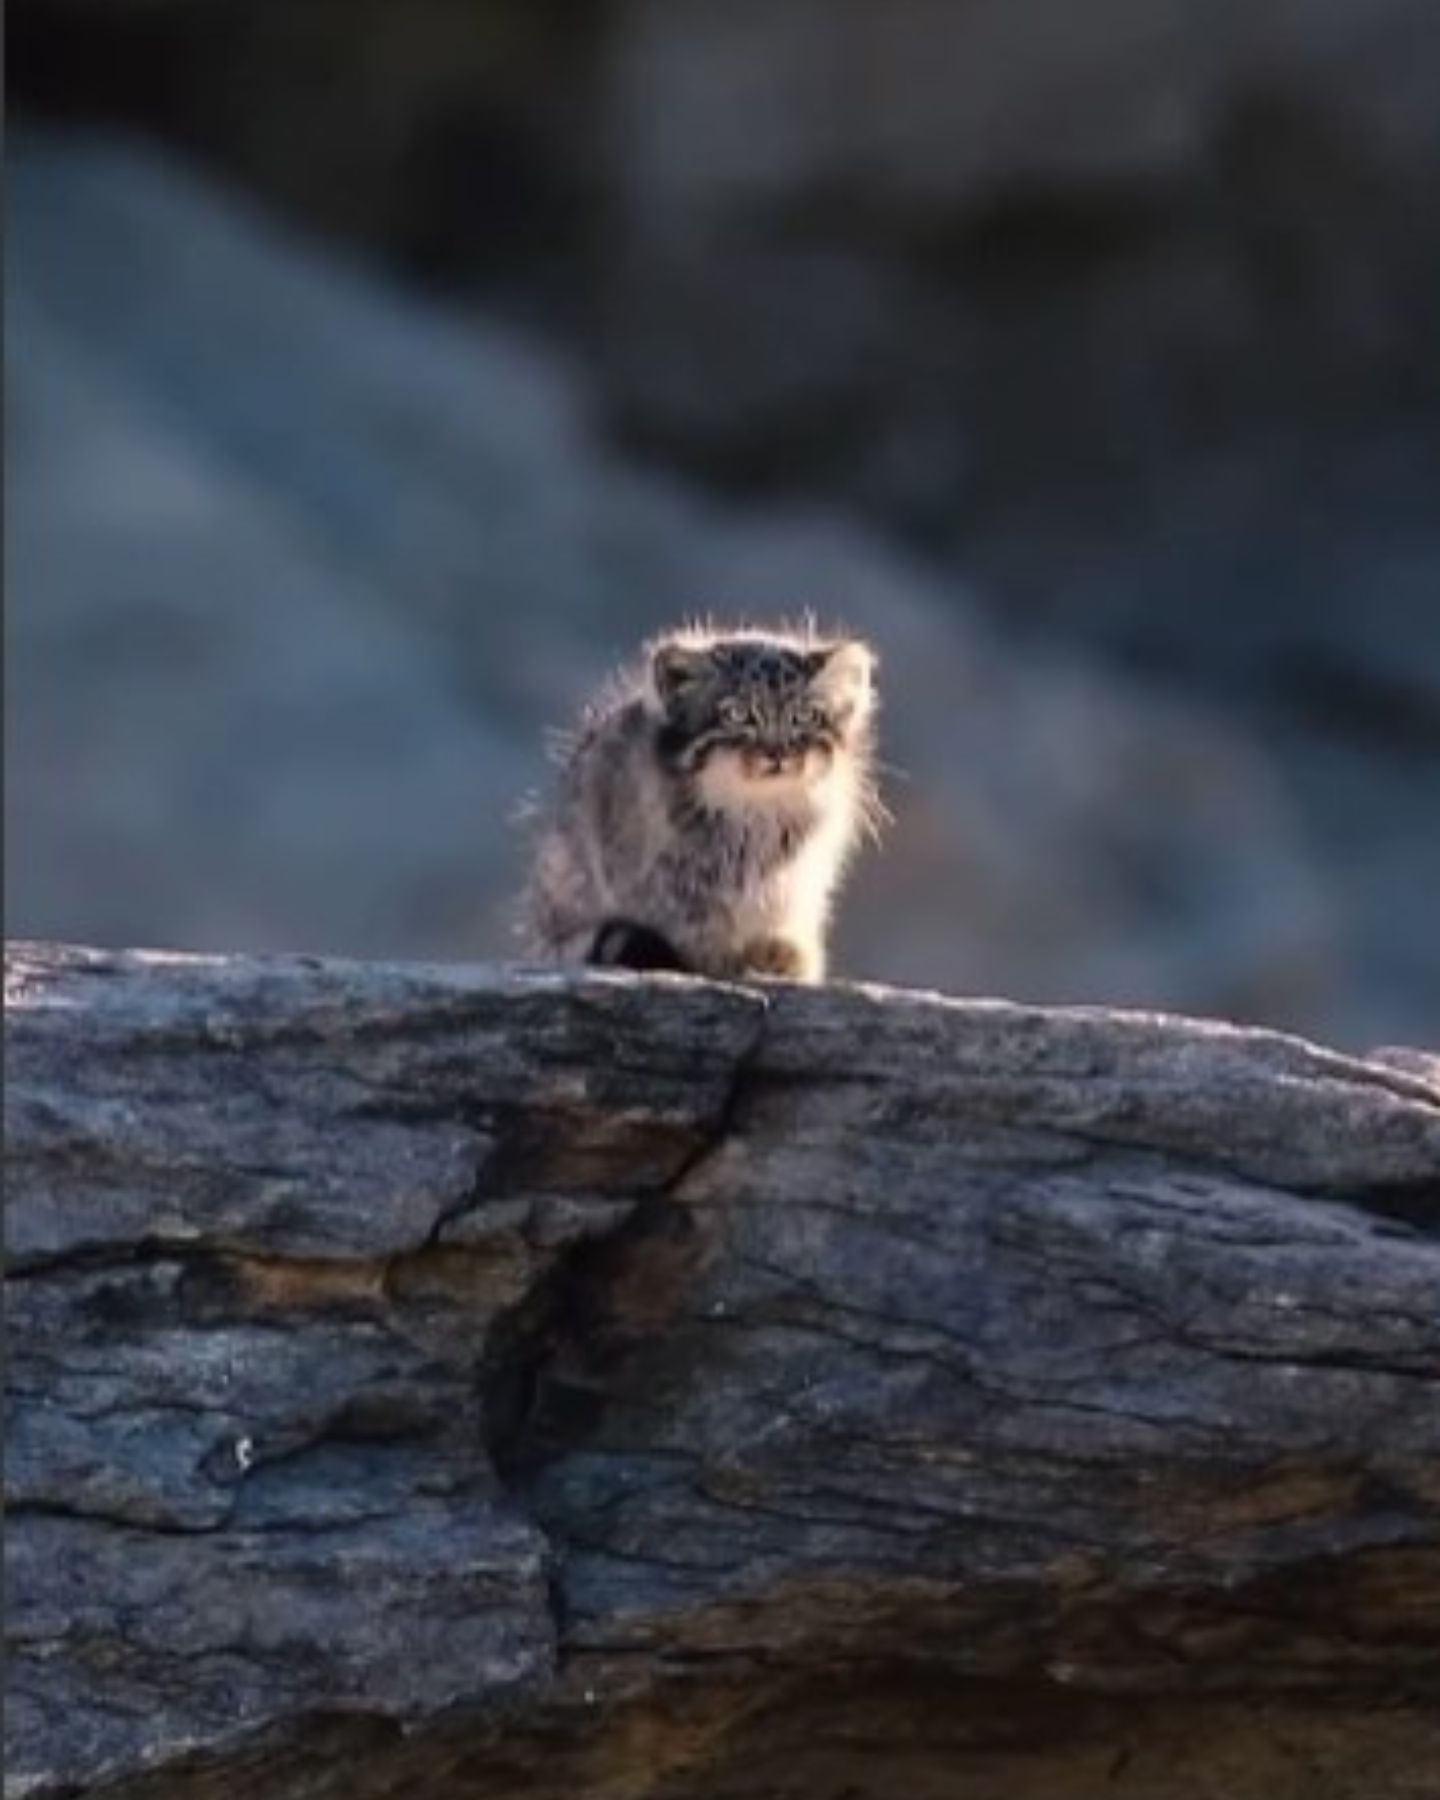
[809,716]
[732,712]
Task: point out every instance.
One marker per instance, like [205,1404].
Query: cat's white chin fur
[725,786]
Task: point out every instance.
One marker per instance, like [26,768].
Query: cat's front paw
[780,959]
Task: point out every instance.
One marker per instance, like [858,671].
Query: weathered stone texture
[452,1382]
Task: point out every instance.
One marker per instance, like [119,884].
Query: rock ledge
[468,1381]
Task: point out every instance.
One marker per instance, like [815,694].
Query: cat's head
[752,717]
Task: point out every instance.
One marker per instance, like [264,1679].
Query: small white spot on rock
[245,1452]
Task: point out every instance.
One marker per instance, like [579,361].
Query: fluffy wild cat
[708,808]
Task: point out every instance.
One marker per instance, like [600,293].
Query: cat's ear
[674,668]
[843,677]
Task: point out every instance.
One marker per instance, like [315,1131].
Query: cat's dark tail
[621,944]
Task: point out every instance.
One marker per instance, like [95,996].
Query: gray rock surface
[433,1382]
[300,569]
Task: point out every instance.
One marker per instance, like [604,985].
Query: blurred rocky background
[377,373]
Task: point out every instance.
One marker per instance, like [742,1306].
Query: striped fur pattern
[709,806]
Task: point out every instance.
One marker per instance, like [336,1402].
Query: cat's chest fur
[773,861]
